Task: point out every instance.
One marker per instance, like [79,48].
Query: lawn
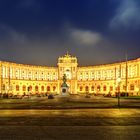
[131,97]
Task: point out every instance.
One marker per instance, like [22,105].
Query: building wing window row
[29,74]
[108,74]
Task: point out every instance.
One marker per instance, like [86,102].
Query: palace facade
[109,78]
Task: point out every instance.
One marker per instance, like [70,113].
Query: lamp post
[119,82]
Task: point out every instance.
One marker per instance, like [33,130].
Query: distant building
[20,78]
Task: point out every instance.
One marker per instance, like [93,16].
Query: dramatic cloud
[85,37]
[127,15]
[89,46]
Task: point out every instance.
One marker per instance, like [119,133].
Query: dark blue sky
[96,31]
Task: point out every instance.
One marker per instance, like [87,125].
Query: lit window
[92,88]
[24,88]
[111,88]
[54,88]
[98,88]
[36,88]
[3,87]
[81,88]
[42,88]
[131,87]
[17,87]
[48,88]
[86,89]
[104,88]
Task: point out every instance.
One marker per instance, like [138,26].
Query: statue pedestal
[64,87]
[64,90]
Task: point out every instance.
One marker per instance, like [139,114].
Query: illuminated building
[20,78]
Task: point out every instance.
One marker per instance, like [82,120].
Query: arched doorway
[48,88]
[30,88]
[24,88]
[42,88]
[92,88]
[87,89]
[54,88]
[98,88]
[81,88]
[104,88]
[36,88]
[17,87]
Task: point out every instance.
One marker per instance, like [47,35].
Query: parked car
[17,97]
[50,96]
[25,96]
[5,95]
[122,94]
[107,95]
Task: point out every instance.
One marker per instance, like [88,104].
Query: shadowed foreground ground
[79,124]
[69,119]
[69,133]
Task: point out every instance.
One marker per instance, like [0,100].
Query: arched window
[98,88]
[104,88]
[86,88]
[92,88]
[17,87]
[3,87]
[36,88]
[81,88]
[30,88]
[54,88]
[118,88]
[24,88]
[48,88]
[132,87]
[42,88]
[111,88]
[124,87]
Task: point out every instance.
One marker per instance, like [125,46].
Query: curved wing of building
[20,79]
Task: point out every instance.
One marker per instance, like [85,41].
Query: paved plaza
[69,133]
[76,117]
[72,102]
[80,124]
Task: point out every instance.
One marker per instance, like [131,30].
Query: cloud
[45,50]
[9,34]
[85,37]
[127,15]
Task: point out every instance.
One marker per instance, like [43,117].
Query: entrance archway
[86,88]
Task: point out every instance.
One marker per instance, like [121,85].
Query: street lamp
[119,82]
